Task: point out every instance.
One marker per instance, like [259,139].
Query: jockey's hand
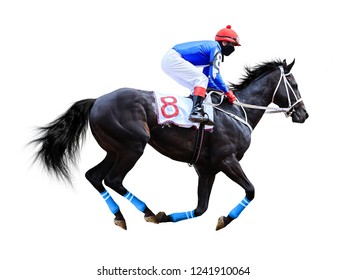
[231,97]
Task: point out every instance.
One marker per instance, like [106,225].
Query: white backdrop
[54,53]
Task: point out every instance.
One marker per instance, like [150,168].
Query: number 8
[172,103]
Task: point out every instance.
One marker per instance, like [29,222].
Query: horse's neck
[258,93]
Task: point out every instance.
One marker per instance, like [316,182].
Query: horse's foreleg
[175,217]
[232,168]
[224,221]
[204,191]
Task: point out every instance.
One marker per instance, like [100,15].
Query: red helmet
[229,35]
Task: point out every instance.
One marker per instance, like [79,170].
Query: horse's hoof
[220,223]
[120,223]
[223,222]
[152,219]
[162,217]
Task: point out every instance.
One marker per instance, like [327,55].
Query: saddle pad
[175,109]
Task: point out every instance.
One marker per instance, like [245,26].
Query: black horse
[125,120]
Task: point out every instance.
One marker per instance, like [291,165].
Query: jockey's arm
[211,83]
[214,71]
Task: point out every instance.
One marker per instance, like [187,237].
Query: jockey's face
[227,48]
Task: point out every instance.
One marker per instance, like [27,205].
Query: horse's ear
[289,67]
[284,62]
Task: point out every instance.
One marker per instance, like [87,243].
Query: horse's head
[287,95]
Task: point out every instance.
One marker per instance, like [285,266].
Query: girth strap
[198,144]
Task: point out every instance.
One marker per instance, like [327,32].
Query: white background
[54,53]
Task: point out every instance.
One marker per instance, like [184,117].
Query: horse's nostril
[306,114]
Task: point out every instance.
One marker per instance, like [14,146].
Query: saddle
[175,110]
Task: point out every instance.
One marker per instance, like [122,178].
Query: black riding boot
[197,114]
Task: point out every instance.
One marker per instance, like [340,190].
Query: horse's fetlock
[250,195]
[199,211]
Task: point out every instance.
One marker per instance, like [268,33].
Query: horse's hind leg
[95,176]
[125,161]
[118,122]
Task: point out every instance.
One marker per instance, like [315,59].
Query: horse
[124,121]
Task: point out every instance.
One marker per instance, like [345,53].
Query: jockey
[183,61]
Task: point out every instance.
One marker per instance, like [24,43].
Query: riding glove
[231,97]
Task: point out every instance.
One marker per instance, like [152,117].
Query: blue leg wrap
[175,217]
[239,208]
[134,200]
[110,202]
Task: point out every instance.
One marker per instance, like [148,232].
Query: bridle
[291,107]
[287,111]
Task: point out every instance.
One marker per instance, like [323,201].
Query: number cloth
[173,109]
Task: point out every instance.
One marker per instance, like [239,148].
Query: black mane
[255,72]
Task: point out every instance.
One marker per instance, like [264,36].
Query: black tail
[59,142]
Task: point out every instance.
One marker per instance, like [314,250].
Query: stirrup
[209,122]
[198,117]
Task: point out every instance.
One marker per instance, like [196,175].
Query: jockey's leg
[189,76]
[197,113]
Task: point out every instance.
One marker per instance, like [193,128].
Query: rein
[287,111]
[244,121]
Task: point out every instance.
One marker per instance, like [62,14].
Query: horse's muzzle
[299,115]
